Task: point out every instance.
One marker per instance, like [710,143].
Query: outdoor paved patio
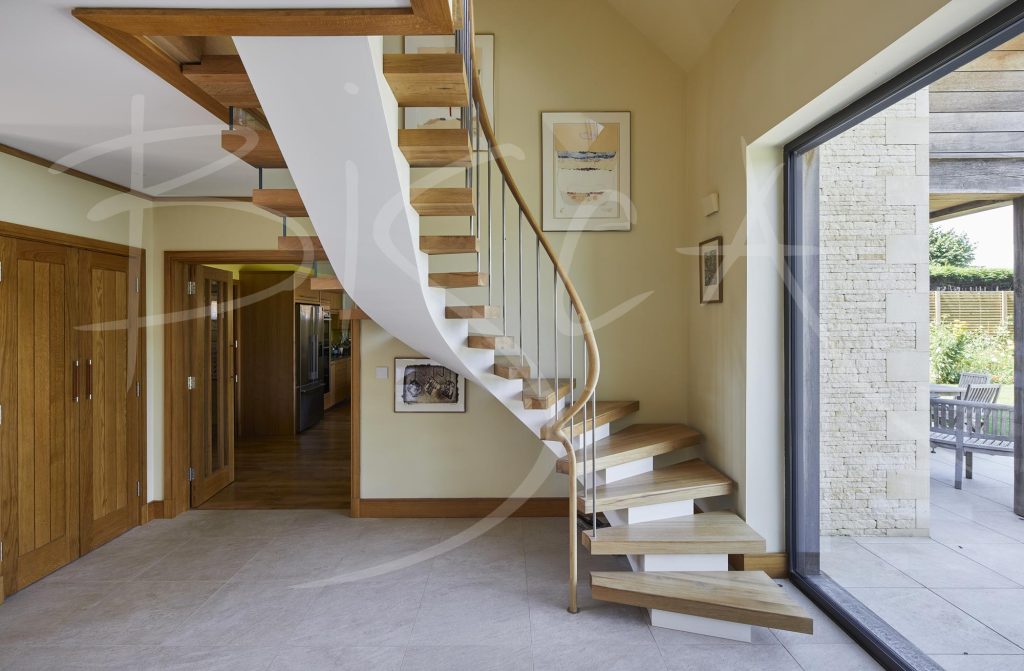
[215,590]
[958,595]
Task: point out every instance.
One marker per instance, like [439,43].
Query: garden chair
[967,379]
[982,393]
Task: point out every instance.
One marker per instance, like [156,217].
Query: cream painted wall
[578,55]
[779,66]
[485,452]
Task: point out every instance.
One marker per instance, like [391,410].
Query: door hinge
[191,474]
[138,284]
[190,382]
[2,410]
[236,382]
[1,272]
[190,288]
[138,389]
[1,552]
[138,488]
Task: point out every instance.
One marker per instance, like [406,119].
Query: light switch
[382,372]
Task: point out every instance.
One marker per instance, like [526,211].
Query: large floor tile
[833,657]
[853,565]
[123,558]
[1000,609]
[246,614]
[980,662]
[957,531]
[670,638]
[597,655]
[361,614]
[554,626]
[35,615]
[472,613]
[204,559]
[937,566]
[338,659]
[1006,560]
[137,613]
[738,657]
[208,658]
[825,630]
[294,560]
[1004,521]
[932,623]
[468,658]
[79,658]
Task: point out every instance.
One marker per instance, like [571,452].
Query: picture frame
[451,117]
[585,172]
[710,261]
[424,385]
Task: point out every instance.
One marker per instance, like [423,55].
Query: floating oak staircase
[484,292]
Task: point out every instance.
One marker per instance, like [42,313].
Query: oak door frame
[175,408]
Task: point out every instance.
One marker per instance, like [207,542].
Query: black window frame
[802,346]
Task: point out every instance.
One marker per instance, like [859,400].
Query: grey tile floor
[225,590]
[958,595]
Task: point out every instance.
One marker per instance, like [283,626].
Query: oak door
[110,478]
[212,408]
[38,450]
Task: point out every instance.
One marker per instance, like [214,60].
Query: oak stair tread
[543,395]
[224,79]
[282,202]
[607,412]
[472,312]
[436,147]
[746,597]
[427,80]
[635,442]
[443,202]
[495,342]
[706,533]
[258,148]
[449,244]
[511,367]
[693,479]
[458,280]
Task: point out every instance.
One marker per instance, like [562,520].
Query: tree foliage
[949,248]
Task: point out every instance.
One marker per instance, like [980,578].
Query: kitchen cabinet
[340,388]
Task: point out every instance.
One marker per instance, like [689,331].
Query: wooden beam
[274,22]
[975,101]
[181,48]
[325,284]
[976,176]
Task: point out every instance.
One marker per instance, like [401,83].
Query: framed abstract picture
[710,262]
[451,117]
[586,171]
[424,385]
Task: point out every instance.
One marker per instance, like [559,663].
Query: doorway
[235,434]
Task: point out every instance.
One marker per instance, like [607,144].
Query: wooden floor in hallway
[308,470]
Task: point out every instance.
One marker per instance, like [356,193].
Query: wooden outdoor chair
[967,379]
[968,427]
[982,393]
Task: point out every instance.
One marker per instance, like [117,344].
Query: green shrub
[954,277]
[955,349]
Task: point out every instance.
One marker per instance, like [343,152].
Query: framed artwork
[710,260]
[586,173]
[451,117]
[424,385]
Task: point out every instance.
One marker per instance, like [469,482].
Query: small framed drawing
[711,270]
[451,117]
[423,385]
[586,174]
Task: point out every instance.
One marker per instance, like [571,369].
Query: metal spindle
[261,177]
[522,349]
[231,118]
[593,455]
[284,227]
[490,229]
[536,263]
[572,355]
[583,437]
[476,169]
[554,322]
[504,286]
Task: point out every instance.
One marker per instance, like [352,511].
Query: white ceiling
[67,91]
[682,29]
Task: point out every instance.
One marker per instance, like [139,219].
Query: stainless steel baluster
[504,285]
[490,227]
[593,455]
[583,438]
[536,263]
[554,322]
[522,345]
[572,353]
[476,168]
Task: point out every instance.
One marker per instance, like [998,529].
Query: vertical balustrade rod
[536,263]
[554,323]
[593,455]
[522,345]
[504,286]
[490,228]
[476,162]
[572,354]
[583,436]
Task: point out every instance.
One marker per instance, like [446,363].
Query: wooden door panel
[110,462]
[38,457]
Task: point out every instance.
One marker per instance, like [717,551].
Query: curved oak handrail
[555,429]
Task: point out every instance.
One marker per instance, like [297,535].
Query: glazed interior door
[213,364]
[38,458]
[109,459]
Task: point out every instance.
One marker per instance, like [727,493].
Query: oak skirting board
[535,507]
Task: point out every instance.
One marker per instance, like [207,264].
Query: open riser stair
[473,282]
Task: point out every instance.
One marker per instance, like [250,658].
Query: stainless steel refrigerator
[310,377]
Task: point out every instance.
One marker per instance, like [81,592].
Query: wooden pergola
[976,158]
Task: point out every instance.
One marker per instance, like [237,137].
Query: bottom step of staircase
[743,597]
